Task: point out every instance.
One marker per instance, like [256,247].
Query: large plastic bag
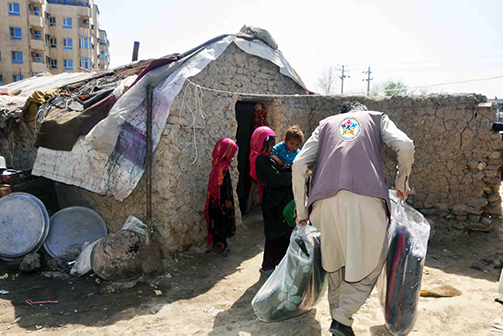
[297,283]
[399,285]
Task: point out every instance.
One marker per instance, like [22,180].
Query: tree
[392,88]
[326,83]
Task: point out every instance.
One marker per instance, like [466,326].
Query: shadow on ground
[305,324]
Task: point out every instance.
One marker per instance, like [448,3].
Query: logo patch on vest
[349,129]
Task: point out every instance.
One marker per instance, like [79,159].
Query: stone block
[478,202]
[486,221]
[492,171]
[31,263]
[442,207]
[472,164]
[495,155]
[481,166]
[473,211]
[478,176]
[459,209]
[494,197]
[492,180]
[461,218]
[473,218]
[427,212]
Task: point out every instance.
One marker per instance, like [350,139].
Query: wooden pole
[149,162]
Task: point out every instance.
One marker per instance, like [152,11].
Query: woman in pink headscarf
[219,209]
[275,189]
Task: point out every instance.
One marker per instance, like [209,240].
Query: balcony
[84,12]
[39,2]
[84,32]
[83,3]
[38,67]
[37,44]
[36,21]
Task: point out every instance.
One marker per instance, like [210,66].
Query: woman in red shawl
[219,209]
[275,190]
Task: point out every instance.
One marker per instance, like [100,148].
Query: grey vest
[349,157]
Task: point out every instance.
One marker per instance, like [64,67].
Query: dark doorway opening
[244,117]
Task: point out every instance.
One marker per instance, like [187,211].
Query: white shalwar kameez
[353,227]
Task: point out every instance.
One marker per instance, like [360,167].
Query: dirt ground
[204,294]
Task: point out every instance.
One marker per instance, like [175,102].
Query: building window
[85,43]
[17,78]
[14,9]
[36,57]
[52,21]
[38,35]
[17,57]
[54,64]
[85,62]
[67,23]
[103,55]
[54,42]
[36,11]
[15,34]
[1,80]
[67,44]
[34,73]
[68,64]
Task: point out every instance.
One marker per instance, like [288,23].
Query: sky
[433,46]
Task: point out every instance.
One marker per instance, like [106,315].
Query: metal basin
[24,225]
[70,228]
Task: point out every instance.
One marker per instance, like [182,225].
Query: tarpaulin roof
[111,159]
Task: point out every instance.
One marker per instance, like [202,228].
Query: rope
[196,95]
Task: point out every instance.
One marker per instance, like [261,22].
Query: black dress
[222,220]
[276,194]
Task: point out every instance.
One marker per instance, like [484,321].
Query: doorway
[249,116]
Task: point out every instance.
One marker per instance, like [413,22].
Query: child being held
[285,152]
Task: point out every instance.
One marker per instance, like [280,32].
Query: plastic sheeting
[111,160]
[45,82]
[298,282]
[399,285]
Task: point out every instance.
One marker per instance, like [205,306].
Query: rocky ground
[204,294]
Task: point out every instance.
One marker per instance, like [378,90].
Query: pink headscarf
[257,142]
[222,155]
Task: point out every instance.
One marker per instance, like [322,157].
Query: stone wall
[182,159]
[456,176]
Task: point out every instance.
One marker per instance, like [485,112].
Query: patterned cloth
[259,116]
[222,155]
[256,143]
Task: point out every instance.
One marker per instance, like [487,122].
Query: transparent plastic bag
[298,282]
[399,284]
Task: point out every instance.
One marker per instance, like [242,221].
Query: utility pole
[342,76]
[368,80]
[136,48]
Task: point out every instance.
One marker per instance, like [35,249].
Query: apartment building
[50,36]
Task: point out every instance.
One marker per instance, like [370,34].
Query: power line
[441,84]
[445,60]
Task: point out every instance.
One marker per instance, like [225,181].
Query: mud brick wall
[457,171]
[182,166]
